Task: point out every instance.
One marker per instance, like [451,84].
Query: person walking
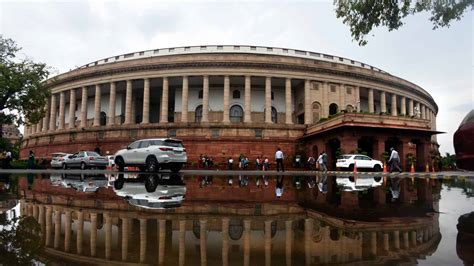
[394,160]
[8,159]
[279,160]
[279,187]
[311,163]
[258,163]
[230,163]
[322,161]
[31,160]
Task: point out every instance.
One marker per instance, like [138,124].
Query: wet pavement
[236,218]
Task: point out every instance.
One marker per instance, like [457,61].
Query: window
[236,47]
[333,109]
[198,114]
[316,112]
[215,132]
[203,47]
[315,86]
[128,55]
[142,53]
[285,51]
[269,49]
[333,88]
[258,133]
[200,94]
[171,50]
[300,52]
[236,114]
[103,118]
[134,145]
[253,48]
[220,47]
[236,94]
[187,49]
[349,90]
[172,133]
[144,144]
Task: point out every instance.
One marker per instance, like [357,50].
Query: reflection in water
[329,220]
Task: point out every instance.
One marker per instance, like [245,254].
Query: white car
[58,159]
[347,161]
[358,184]
[152,155]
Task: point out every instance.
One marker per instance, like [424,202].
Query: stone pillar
[52,119]
[308,233]
[248,103]
[67,231]
[383,102]
[410,107]
[112,99]
[133,116]
[80,231]
[161,241]
[225,242]
[72,108]
[423,112]
[38,126]
[247,239]
[84,108]
[342,93]
[225,117]
[35,211]
[97,105]
[288,240]
[125,228]
[182,241]
[373,243]
[143,235]
[184,99]
[394,105]
[406,240]
[371,100]
[49,218]
[396,239]
[386,243]
[268,100]
[403,108]
[146,101]
[413,238]
[268,243]
[203,241]
[41,221]
[324,102]
[128,103]
[93,236]
[46,117]
[357,98]
[108,236]
[288,106]
[62,103]
[308,114]
[205,99]
[57,228]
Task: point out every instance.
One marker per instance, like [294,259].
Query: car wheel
[118,184]
[151,183]
[151,164]
[120,164]
[351,167]
[377,168]
[175,168]
[83,166]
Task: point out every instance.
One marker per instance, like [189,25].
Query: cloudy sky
[67,34]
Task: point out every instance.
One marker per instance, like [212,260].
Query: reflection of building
[104,229]
[257,97]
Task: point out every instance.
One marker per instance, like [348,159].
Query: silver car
[86,159]
[58,159]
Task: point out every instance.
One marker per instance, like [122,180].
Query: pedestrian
[258,163]
[8,159]
[230,163]
[311,163]
[322,160]
[266,164]
[394,160]
[279,160]
[31,160]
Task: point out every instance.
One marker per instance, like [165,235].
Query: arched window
[236,94]
[103,118]
[333,109]
[236,114]
[198,114]
[200,94]
[316,112]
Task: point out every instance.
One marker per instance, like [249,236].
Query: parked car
[151,191]
[80,182]
[58,159]
[152,155]
[86,159]
[347,161]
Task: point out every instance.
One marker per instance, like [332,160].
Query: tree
[23,93]
[362,16]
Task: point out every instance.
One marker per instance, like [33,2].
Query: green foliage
[20,240]
[448,161]
[385,155]
[411,159]
[363,16]
[22,88]
[19,164]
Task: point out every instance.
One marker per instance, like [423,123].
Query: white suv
[152,155]
[361,161]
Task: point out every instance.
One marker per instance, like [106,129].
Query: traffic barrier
[355,168]
[427,168]
[412,168]
[433,169]
[385,168]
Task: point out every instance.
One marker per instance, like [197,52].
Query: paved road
[465,174]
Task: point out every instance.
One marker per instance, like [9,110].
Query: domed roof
[468,119]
